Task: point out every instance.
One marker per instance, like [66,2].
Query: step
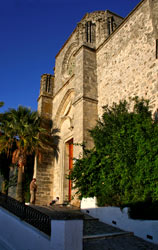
[88,217]
[123,242]
[96,227]
[107,235]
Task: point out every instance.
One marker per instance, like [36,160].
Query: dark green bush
[122,167]
[144,210]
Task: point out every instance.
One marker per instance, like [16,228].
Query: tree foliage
[122,167]
[22,136]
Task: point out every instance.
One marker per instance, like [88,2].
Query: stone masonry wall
[61,75]
[99,30]
[81,56]
[126,63]
[86,79]
[60,103]
[45,179]
[44,170]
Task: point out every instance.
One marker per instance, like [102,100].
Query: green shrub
[144,210]
[122,167]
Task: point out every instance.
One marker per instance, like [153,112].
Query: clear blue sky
[31,34]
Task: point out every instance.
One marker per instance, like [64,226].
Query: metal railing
[26,213]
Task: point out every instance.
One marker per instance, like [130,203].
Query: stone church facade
[105,59]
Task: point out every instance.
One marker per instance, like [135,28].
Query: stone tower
[44,173]
[46,95]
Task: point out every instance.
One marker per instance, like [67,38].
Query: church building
[107,58]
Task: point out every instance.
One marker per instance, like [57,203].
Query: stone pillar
[85,103]
[86,96]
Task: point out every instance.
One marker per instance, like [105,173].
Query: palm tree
[1,105]
[5,160]
[23,127]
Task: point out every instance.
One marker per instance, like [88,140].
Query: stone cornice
[45,96]
[85,98]
[86,47]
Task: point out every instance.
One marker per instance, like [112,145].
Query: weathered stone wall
[44,172]
[61,99]
[126,62]
[63,119]
[65,59]
[72,106]
[90,93]
[45,98]
[100,27]
[92,73]
[62,74]
[153,12]
[45,179]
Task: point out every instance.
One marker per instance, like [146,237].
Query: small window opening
[89,31]
[48,84]
[110,24]
[114,222]
[149,237]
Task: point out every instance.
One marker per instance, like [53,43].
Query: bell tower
[46,95]
[45,161]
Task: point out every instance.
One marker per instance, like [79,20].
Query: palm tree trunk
[3,187]
[19,188]
[35,167]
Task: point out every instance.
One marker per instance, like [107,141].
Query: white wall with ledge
[145,229]
[16,234]
[19,235]
[67,234]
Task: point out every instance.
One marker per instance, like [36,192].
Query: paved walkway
[125,242]
[100,236]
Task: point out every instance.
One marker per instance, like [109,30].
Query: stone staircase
[93,228]
[100,236]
